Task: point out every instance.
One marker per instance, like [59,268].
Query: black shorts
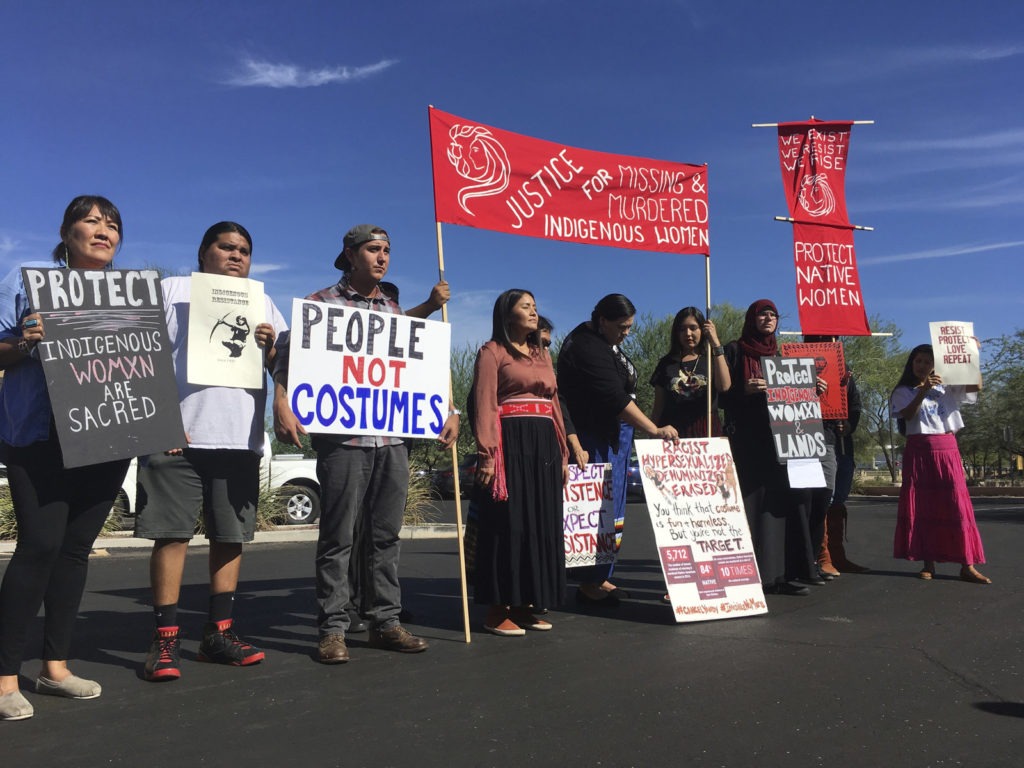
[222,485]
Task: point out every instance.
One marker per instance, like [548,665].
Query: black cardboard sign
[107,362]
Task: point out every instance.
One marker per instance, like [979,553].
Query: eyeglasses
[767,313]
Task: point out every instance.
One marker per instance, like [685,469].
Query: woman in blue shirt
[59,511]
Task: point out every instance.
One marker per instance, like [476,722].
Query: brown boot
[825,560]
[835,526]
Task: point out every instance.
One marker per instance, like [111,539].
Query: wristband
[454,412]
[718,351]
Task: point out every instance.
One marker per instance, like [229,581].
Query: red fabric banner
[830,365]
[813,160]
[828,292]
[493,179]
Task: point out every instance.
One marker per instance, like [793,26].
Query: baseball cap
[359,234]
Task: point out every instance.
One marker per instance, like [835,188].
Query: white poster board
[956,352]
[223,314]
[354,371]
[700,527]
[588,516]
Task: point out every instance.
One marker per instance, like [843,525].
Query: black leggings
[60,512]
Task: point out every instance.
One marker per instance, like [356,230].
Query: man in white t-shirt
[217,473]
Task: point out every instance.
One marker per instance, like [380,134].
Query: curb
[289,533]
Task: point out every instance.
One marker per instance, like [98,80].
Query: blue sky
[301,119]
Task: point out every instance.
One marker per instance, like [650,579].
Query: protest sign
[812,156]
[793,408]
[829,365]
[588,516]
[223,315]
[700,528]
[488,178]
[956,352]
[828,293]
[107,362]
[359,372]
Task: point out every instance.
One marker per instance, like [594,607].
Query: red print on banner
[830,365]
[813,160]
[828,292]
[488,178]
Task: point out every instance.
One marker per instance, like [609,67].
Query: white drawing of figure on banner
[816,195]
[479,157]
[239,333]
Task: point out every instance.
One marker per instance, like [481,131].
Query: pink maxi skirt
[936,517]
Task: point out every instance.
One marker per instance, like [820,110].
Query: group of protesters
[529,420]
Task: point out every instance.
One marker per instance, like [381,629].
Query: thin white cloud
[8,245]
[869,64]
[262,269]
[939,253]
[267,74]
[950,54]
[998,140]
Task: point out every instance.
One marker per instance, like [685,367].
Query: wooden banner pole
[776,125]
[455,466]
[791,220]
[707,341]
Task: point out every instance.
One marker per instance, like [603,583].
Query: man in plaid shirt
[362,477]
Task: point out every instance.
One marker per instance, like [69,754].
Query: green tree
[426,453]
[994,429]
[876,362]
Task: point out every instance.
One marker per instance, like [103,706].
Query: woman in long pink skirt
[936,517]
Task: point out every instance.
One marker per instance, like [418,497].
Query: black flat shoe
[786,588]
[611,601]
[814,581]
[356,623]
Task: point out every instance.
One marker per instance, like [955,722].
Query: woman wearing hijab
[772,513]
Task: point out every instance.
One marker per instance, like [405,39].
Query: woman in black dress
[597,381]
[778,522]
[680,379]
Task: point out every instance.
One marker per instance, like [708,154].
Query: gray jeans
[370,484]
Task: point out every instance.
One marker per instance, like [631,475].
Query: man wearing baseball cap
[363,478]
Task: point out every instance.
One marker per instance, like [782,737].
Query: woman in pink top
[936,518]
[517,422]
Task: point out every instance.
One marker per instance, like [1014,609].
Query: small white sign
[956,352]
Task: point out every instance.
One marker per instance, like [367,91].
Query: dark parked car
[634,482]
[444,479]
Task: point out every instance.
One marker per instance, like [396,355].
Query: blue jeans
[369,484]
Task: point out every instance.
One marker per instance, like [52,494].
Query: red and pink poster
[700,528]
[488,178]
[830,365]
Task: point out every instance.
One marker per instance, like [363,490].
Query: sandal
[971,575]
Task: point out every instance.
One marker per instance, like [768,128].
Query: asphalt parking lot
[880,669]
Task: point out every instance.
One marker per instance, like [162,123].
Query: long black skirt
[520,549]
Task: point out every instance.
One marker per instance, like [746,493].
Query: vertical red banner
[812,156]
[828,293]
